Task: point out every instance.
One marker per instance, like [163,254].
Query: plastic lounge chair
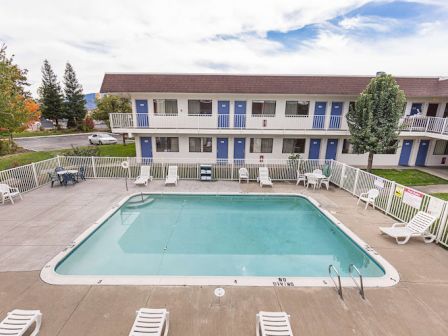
[151,322]
[273,324]
[263,177]
[369,197]
[172,177]
[312,180]
[417,227]
[243,174]
[325,181]
[8,193]
[144,177]
[301,177]
[19,321]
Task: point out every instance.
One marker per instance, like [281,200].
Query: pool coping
[48,273]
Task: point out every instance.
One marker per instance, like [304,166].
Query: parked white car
[101,139]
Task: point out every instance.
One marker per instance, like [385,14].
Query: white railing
[424,124]
[353,180]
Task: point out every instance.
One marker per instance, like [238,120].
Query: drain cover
[219,292]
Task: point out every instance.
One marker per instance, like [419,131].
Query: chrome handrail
[360,286]
[338,286]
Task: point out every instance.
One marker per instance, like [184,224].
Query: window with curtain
[167,144]
[297,108]
[199,107]
[263,108]
[441,147]
[261,145]
[165,106]
[198,145]
[293,146]
[347,147]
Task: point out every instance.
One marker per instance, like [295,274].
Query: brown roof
[263,84]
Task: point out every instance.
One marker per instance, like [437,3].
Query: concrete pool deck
[47,220]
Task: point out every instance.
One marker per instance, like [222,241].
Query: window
[261,145]
[441,147]
[263,108]
[347,147]
[445,113]
[297,108]
[432,110]
[165,106]
[200,145]
[167,144]
[199,107]
[293,146]
[351,106]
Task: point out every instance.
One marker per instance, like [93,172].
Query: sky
[341,37]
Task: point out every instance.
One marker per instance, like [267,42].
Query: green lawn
[15,160]
[409,177]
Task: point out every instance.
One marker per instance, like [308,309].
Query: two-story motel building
[260,117]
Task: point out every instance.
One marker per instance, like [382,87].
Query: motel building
[267,117]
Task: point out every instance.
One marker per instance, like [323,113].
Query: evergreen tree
[51,99]
[373,122]
[75,103]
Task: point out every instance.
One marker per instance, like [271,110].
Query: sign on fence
[412,197]
[379,183]
[435,206]
[399,191]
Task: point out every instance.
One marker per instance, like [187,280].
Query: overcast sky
[227,36]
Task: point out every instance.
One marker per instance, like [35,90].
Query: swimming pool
[250,239]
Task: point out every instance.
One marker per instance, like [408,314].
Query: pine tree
[75,103]
[373,122]
[50,95]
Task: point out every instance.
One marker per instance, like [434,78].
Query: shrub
[7,147]
[84,151]
[88,124]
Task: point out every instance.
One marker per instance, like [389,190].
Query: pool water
[217,235]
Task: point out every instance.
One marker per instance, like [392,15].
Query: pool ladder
[338,285]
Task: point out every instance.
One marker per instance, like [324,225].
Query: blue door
[141,107]
[223,113]
[421,154]
[336,113]
[406,150]
[314,149]
[332,147]
[146,149]
[240,114]
[239,150]
[222,149]
[319,115]
[416,108]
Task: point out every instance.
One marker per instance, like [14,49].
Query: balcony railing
[226,121]
[425,124]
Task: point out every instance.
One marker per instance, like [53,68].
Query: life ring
[125,164]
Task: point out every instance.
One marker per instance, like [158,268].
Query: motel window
[297,108]
[293,146]
[445,113]
[441,147]
[263,108]
[261,145]
[198,145]
[347,147]
[351,106]
[199,107]
[167,144]
[165,106]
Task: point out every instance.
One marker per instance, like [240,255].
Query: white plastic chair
[326,182]
[418,226]
[243,174]
[311,179]
[263,177]
[8,193]
[19,321]
[301,177]
[273,324]
[369,197]
[172,177]
[144,177]
[151,322]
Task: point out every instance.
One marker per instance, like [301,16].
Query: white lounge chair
[144,177]
[8,193]
[418,226]
[243,174]
[151,322]
[301,178]
[172,176]
[369,197]
[312,180]
[19,321]
[273,324]
[263,177]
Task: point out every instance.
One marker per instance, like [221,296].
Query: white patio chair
[151,322]
[263,177]
[144,177]
[312,180]
[317,171]
[301,177]
[18,322]
[418,226]
[172,177]
[243,174]
[273,323]
[369,197]
[325,181]
[8,193]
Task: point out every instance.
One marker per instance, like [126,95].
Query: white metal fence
[353,180]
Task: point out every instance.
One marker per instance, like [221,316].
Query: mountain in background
[90,101]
